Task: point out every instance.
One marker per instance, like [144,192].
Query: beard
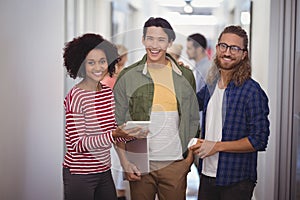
[227,68]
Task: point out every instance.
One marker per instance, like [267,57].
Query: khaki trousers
[166,179]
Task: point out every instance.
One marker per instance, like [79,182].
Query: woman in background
[110,80]
[175,51]
[117,170]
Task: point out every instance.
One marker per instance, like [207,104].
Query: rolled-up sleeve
[258,110]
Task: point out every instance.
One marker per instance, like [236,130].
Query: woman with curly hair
[91,128]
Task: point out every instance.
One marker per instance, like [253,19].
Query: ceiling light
[245,18]
[188,8]
[206,3]
[191,20]
[171,3]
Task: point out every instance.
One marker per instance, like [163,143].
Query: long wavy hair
[242,72]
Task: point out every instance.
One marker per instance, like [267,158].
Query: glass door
[296,111]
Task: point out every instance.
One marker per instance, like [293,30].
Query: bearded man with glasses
[235,122]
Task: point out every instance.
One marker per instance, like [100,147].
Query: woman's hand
[122,133]
[131,133]
[138,132]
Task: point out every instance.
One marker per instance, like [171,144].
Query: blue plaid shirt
[244,114]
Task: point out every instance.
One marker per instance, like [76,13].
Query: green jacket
[134,91]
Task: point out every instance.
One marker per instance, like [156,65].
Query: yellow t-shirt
[164,98]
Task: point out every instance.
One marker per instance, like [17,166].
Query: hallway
[33,85]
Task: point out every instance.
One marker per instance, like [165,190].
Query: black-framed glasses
[232,48]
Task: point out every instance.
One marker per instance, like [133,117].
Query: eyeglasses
[233,49]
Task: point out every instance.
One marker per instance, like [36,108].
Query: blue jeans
[88,186]
[208,190]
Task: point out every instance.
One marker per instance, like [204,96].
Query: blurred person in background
[116,168]
[175,51]
[123,57]
[196,50]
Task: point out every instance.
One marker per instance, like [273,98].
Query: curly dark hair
[75,53]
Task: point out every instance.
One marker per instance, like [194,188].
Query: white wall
[266,73]
[31,86]
[86,16]
[260,41]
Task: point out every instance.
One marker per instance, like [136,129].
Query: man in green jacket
[157,89]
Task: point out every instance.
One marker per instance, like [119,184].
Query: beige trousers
[167,179]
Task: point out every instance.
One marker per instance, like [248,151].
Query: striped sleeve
[77,138]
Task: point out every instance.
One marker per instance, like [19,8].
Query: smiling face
[156,42]
[227,60]
[96,66]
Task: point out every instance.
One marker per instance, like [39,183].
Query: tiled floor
[192,184]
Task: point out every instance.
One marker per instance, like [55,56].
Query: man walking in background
[196,50]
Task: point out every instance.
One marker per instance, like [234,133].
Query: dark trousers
[88,186]
[239,191]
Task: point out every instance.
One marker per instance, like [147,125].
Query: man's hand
[190,158]
[132,172]
[204,148]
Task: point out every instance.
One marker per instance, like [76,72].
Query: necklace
[98,87]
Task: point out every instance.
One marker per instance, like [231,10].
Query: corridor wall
[31,86]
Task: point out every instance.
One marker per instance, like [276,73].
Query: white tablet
[137,152]
[133,124]
[192,142]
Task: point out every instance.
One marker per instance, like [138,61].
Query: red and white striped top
[90,120]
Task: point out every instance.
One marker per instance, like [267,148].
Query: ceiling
[199,7]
